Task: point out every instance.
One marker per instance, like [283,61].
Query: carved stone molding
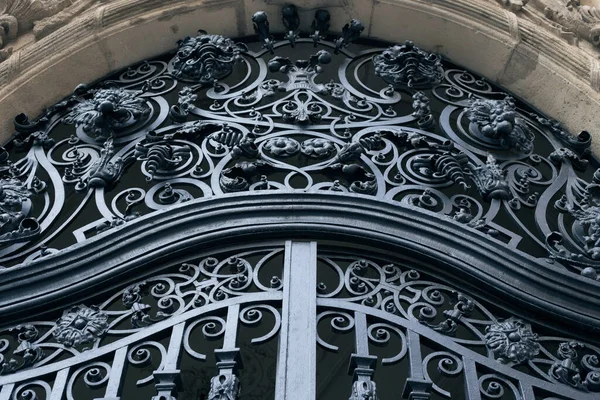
[40,16]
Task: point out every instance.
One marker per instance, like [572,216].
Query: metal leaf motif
[491,180]
[408,65]
[108,111]
[204,58]
[224,387]
[499,121]
[512,341]
[80,325]
[15,206]
[363,390]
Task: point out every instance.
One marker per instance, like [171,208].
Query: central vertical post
[296,363]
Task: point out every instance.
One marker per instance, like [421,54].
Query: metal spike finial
[261,27]
[291,21]
[320,26]
[350,32]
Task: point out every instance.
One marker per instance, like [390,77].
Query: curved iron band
[533,289]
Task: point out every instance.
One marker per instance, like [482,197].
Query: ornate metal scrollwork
[205,58]
[302,73]
[408,65]
[108,111]
[402,293]
[498,121]
[579,371]
[512,341]
[215,119]
[80,325]
[220,117]
[490,181]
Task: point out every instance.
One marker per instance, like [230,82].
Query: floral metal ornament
[261,28]
[26,354]
[563,155]
[350,32]
[179,112]
[301,112]
[320,26]
[587,216]
[364,390]
[108,112]
[447,165]
[408,65]
[584,253]
[282,147]
[15,207]
[224,387]
[422,111]
[317,148]
[291,21]
[579,371]
[239,177]
[204,58]
[105,172]
[161,158]
[498,121]
[512,341]
[580,143]
[301,74]
[490,180]
[80,325]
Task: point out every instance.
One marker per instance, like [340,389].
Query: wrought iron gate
[442,236]
[290,321]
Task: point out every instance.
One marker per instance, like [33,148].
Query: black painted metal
[223,143]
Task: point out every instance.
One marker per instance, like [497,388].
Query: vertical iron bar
[361,337]
[6,391]
[526,390]
[116,376]
[60,383]
[231,328]
[362,365]
[296,365]
[167,379]
[416,387]
[226,385]
[414,353]
[471,380]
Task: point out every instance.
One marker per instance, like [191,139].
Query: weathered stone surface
[42,16]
